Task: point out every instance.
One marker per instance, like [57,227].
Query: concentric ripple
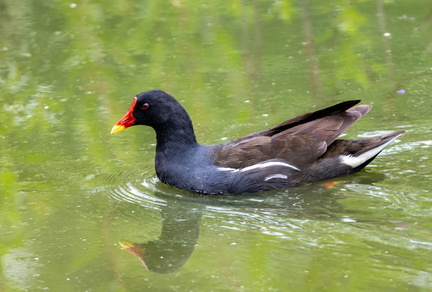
[128,186]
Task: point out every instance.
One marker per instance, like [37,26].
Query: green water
[70,191]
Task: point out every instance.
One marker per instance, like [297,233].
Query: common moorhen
[301,150]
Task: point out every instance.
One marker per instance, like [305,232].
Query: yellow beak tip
[117,128]
[126,244]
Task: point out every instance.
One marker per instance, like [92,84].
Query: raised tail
[345,157]
[371,148]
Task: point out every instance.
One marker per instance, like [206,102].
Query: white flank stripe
[355,161]
[269,164]
[258,165]
[227,169]
[278,175]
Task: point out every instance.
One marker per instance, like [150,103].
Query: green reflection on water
[70,191]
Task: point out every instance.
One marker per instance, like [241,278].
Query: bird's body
[298,151]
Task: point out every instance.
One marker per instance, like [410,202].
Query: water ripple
[128,186]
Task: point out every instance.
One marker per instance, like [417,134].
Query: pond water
[72,194]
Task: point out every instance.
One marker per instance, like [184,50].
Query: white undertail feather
[355,161]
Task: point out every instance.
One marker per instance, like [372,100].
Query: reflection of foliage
[349,47]
[68,72]
[179,46]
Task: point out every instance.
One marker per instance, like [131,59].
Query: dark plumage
[301,150]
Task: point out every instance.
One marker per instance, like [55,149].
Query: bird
[299,151]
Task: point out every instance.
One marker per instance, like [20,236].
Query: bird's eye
[145,106]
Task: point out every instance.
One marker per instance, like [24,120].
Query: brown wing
[299,141]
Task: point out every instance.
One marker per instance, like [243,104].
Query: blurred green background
[69,191]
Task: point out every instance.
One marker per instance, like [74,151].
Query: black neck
[177,133]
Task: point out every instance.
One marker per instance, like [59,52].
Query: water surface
[70,191]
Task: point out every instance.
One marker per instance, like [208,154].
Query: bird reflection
[180,230]
[181,217]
